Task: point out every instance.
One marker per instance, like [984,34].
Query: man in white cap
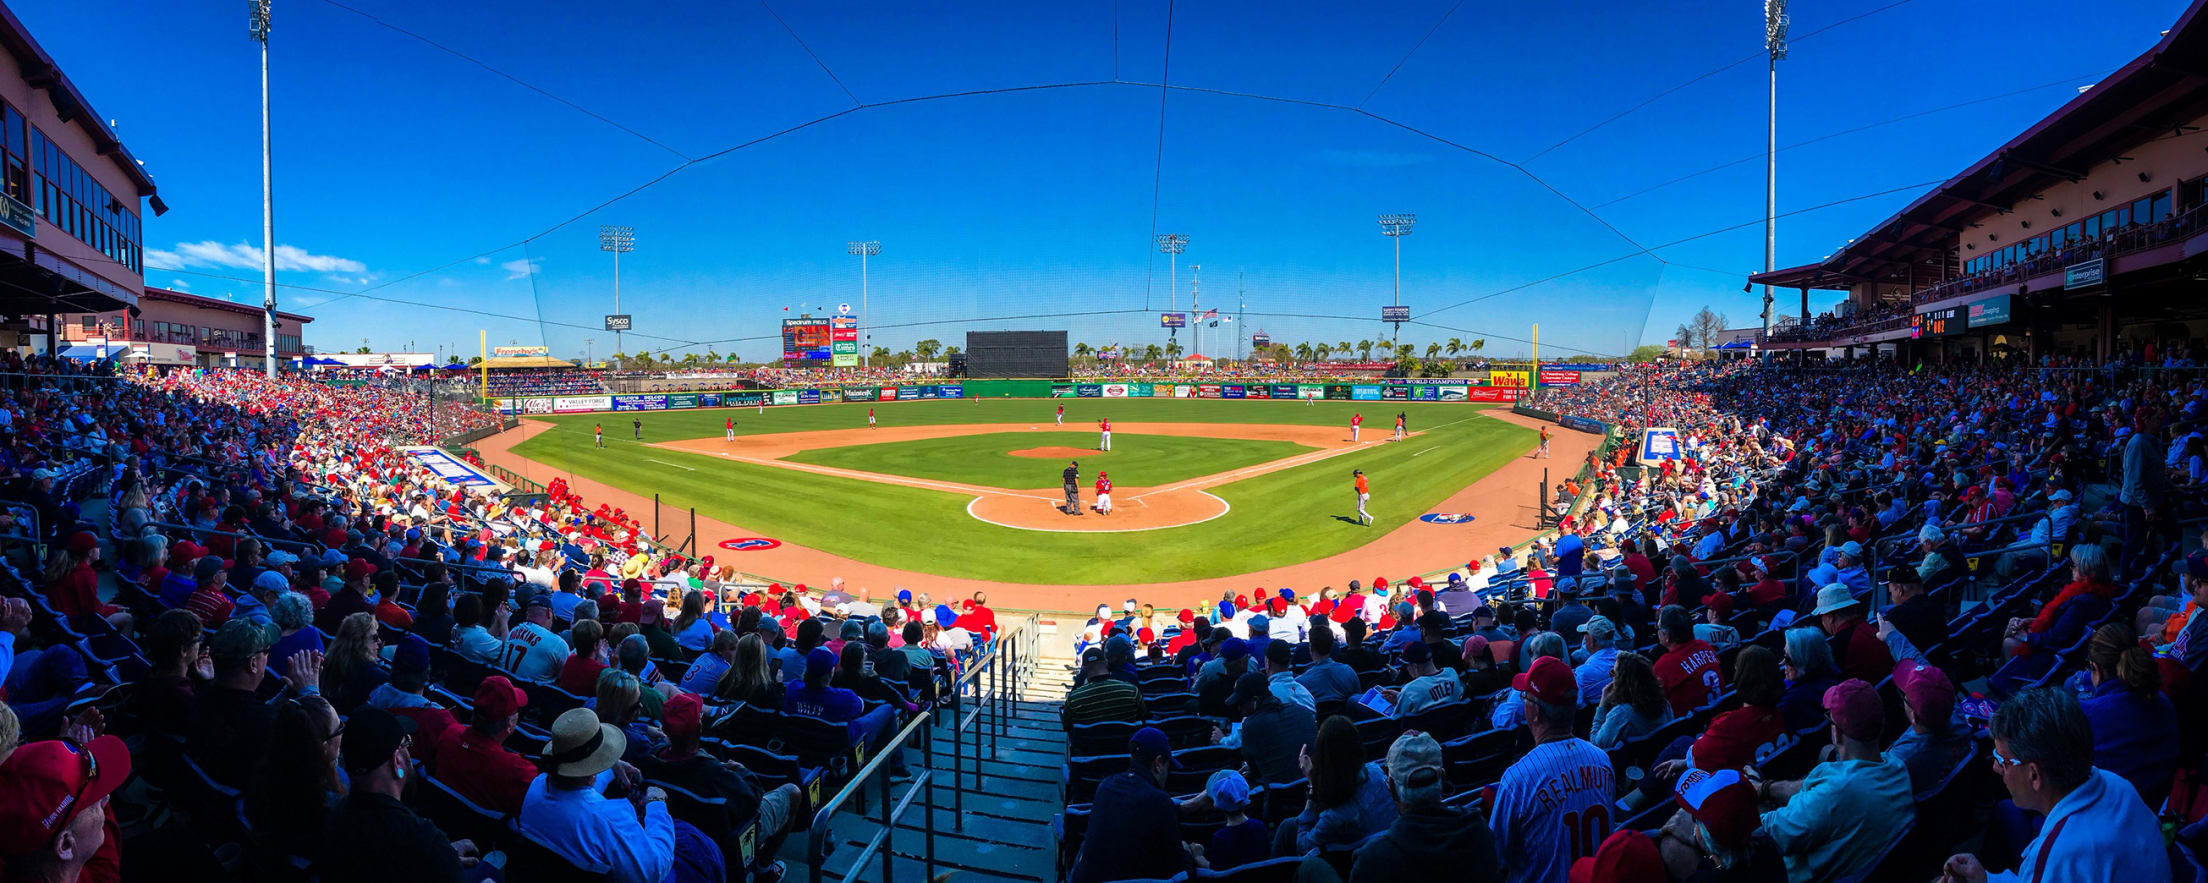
[1856,647]
[1593,674]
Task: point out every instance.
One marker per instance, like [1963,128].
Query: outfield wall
[1381,391]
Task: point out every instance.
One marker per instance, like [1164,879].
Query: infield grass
[1293,515]
[985,459]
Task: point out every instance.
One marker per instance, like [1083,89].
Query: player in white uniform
[1553,806]
[1104,426]
[1061,415]
[731,429]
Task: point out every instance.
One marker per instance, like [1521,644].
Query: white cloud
[522,268]
[482,262]
[180,285]
[209,253]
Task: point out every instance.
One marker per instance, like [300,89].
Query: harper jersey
[1552,808]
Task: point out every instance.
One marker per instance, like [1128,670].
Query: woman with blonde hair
[750,678]
[350,672]
[1633,704]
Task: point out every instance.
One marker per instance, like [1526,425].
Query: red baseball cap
[358,568]
[1720,602]
[44,785]
[1722,801]
[1926,689]
[1187,616]
[681,715]
[1145,636]
[1549,680]
[497,697]
[1626,857]
[1855,708]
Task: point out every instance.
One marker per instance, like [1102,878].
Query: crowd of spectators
[324,661]
[1792,651]
[554,382]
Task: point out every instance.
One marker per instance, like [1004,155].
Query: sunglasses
[2002,763]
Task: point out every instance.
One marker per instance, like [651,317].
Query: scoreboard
[806,340]
[1936,323]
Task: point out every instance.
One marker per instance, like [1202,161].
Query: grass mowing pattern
[1134,461]
[1293,515]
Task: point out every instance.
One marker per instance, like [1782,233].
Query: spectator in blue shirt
[1327,680]
[2134,725]
[811,696]
[1134,826]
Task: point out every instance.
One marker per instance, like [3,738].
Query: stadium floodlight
[864,250]
[1774,45]
[1173,244]
[257,12]
[1395,226]
[618,239]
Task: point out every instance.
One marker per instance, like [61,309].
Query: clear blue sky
[404,169]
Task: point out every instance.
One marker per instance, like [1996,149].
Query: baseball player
[598,431]
[1103,493]
[731,429]
[762,404]
[1073,487]
[1061,415]
[1104,426]
[1543,453]
[1399,427]
[1553,805]
[637,426]
[1364,494]
[1356,422]
[870,418]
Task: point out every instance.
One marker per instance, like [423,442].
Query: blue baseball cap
[1229,791]
[1149,743]
[1234,648]
[819,662]
[943,615]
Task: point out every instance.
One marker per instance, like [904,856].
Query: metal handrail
[996,678]
[816,854]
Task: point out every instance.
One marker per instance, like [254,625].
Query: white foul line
[676,465]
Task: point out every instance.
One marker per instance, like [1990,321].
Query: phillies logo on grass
[750,544]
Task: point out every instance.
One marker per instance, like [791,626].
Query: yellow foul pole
[483,362]
[1533,383]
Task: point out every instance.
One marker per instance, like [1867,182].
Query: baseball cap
[1229,791]
[1832,598]
[1722,801]
[1187,616]
[2060,495]
[1149,743]
[1475,647]
[207,568]
[358,568]
[83,541]
[371,734]
[1549,680]
[1414,761]
[1416,653]
[1855,708]
[412,655]
[1093,655]
[1926,689]
[2195,566]
[44,785]
[1904,574]
[1250,687]
[1483,610]
[538,599]
[681,714]
[271,581]
[1852,549]
[497,697]
[1720,602]
[819,662]
[1234,648]
[241,638]
[1625,857]
[280,557]
[1599,626]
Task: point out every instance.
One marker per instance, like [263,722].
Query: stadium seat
[526,859]
[456,815]
[1273,870]
[1102,737]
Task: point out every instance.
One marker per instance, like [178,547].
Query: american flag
[1211,314]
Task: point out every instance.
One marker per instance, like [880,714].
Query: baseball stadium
[975,442]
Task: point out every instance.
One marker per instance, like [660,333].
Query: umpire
[1073,487]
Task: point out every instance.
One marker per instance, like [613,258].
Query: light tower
[257,24]
[1774,44]
[616,239]
[864,250]
[1172,244]
[1395,226]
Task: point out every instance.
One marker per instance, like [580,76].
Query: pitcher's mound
[1058,453]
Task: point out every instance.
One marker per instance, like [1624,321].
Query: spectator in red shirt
[979,619]
[579,675]
[1732,739]
[209,601]
[1688,669]
[1856,648]
[474,760]
[388,610]
[74,587]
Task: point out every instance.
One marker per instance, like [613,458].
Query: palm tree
[927,349]
[1403,352]
[951,350]
[1303,352]
[666,359]
[1454,346]
[713,356]
[881,354]
[1364,350]
[1322,351]
[1151,352]
[644,356]
[614,359]
[1343,347]
[1433,350]
[1081,351]
[690,360]
[1479,344]
[1173,348]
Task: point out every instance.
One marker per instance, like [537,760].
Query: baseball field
[971,489]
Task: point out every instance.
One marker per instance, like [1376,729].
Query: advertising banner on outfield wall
[1183,391]
[808,397]
[680,400]
[1550,377]
[908,393]
[572,404]
[743,399]
[1365,392]
[1493,394]
[1089,390]
[1396,393]
[1233,391]
[1453,392]
[536,406]
[507,406]
[1507,378]
[1115,390]
[1336,391]
[1284,391]
[1141,390]
[1258,391]
[929,391]
[640,403]
[709,400]
[1207,390]
[1061,390]
[1426,392]
[886,394]
[1580,366]
[950,391]
[782,397]
[859,393]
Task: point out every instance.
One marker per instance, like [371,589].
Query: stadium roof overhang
[2154,95]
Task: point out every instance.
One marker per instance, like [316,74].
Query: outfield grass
[984,459]
[1284,517]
